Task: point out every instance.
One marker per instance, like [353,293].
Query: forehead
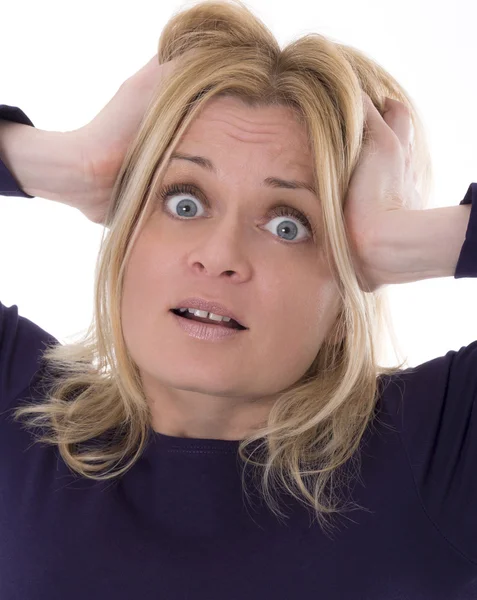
[228,130]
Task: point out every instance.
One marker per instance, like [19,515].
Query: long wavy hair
[93,390]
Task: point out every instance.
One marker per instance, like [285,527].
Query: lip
[205,331]
[210,306]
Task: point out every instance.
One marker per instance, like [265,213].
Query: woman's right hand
[104,141]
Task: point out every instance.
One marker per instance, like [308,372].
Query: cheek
[144,276]
[301,319]
[141,292]
[136,280]
[313,314]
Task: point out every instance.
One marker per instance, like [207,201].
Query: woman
[283,189]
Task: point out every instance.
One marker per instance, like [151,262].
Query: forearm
[44,163]
[410,245]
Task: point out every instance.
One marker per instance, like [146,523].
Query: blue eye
[186,207]
[286,226]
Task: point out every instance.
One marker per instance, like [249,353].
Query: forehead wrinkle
[241,121]
[273,182]
[271,126]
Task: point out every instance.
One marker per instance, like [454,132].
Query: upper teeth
[204,314]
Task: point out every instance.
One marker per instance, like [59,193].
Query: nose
[222,250]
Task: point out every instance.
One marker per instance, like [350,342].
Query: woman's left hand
[383,181]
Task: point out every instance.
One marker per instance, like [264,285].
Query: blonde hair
[92,387]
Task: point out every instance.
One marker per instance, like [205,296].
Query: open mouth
[228,324]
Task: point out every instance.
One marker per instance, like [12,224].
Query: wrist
[410,245]
[46,164]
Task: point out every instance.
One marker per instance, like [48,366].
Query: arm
[44,163]
[393,240]
[410,245]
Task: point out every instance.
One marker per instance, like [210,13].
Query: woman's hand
[383,181]
[104,141]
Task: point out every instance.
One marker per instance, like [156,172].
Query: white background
[62,62]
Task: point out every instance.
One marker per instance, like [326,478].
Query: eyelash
[278,211]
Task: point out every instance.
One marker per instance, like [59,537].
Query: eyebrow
[273,182]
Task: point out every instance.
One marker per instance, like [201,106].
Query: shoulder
[22,344]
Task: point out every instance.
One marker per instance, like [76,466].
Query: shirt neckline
[185,444]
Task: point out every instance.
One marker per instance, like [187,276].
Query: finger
[398,117]
[373,121]
[395,119]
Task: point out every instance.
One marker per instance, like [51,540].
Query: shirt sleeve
[467,263]
[434,409]
[22,344]
[8,184]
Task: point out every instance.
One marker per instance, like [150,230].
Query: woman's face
[228,246]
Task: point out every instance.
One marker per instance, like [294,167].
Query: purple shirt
[176,527]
